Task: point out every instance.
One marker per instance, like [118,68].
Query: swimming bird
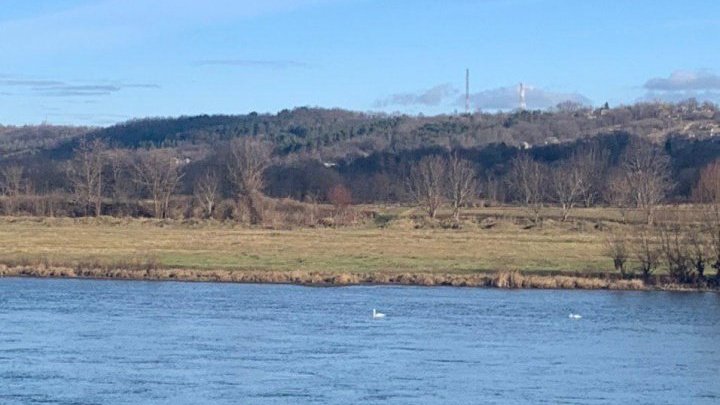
[575,316]
[377,314]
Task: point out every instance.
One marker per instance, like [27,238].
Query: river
[133,342]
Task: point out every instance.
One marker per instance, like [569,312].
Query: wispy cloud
[684,80]
[501,98]
[508,98]
[253,63]
[76,90]
[431,97]
[59,88]
[29,82]
[682,85]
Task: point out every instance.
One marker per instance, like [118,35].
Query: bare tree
[568,182]
[158,172]
[527,178]
[707,190]
[619,194]
[341,199]
[699,250]
[592,162]
[121,176]
[13,184]
[491,188]
[426,183]
[247,161]
[616,247]
[711,215]
[676,253]
[707,194]
[647,253]
[206,191]
[646,169]
[86,174]
[462,183]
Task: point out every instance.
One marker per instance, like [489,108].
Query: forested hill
[312,150]
[338,134]
[24,140]
[334,134]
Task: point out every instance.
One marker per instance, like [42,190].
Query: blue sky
[97,62]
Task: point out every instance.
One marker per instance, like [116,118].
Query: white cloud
[431,97]
[501,98]
[508,98]
[685,80]
[702,85]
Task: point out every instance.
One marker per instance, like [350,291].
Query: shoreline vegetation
[403,250]
[502,279]
[440,201]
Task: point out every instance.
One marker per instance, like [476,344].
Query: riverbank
[502,279]
[505,253]
[401,245]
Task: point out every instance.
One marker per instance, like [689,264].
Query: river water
[127,342]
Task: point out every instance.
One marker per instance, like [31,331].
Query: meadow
[396,242]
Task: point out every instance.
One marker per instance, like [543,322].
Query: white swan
[575,316]
[377,314]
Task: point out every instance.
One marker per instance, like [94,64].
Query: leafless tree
[121,175]
[206,191]
[491,188]
[707,190]
[568,181]
[619,194]
[426,183]
[676,253]
[528,179]
[86,174]
[707,195]
[247,161]
[646,169]
[341,199]
[712,226]
[158,172]
[647,252]
[699,250]
[12,180]
[616,247]
[12,185]
[461,183]
[592,162]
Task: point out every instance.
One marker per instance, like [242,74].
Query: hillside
[335,134]
[315,149]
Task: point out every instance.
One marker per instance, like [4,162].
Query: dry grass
[400,251]
[499,280]
[352,249]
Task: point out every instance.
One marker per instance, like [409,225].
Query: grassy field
[397,247]
[396,242]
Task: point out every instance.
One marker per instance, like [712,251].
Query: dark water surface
[115,342]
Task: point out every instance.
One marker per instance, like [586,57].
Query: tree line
[335,134]
[622,171]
